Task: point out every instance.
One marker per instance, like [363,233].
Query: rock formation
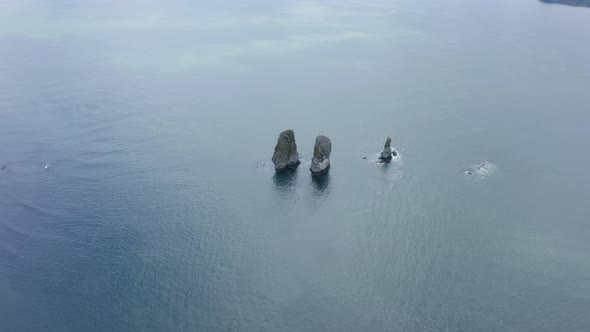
[580,3]
[387,154]
[320,163]
[286,156]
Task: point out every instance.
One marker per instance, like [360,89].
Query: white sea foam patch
[482,170]
[305,162]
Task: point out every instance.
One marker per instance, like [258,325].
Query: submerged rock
[320,163]
[387,154]
[286,155]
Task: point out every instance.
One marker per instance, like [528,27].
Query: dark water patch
[321,185]
[285,181]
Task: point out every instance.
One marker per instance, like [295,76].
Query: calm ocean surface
[138,192]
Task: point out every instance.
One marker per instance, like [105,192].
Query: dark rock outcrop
[286,155]
[387,154]
[578,3]
[320,163]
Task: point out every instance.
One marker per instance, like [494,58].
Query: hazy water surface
[138,192]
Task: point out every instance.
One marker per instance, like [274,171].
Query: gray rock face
[320,163]
[286,155]
[387,153]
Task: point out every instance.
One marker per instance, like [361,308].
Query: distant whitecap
[482,170]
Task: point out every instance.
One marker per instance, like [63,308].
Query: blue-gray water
[137,193]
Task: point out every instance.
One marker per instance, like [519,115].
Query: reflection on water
[385,167]
[321,185]
[285,182]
